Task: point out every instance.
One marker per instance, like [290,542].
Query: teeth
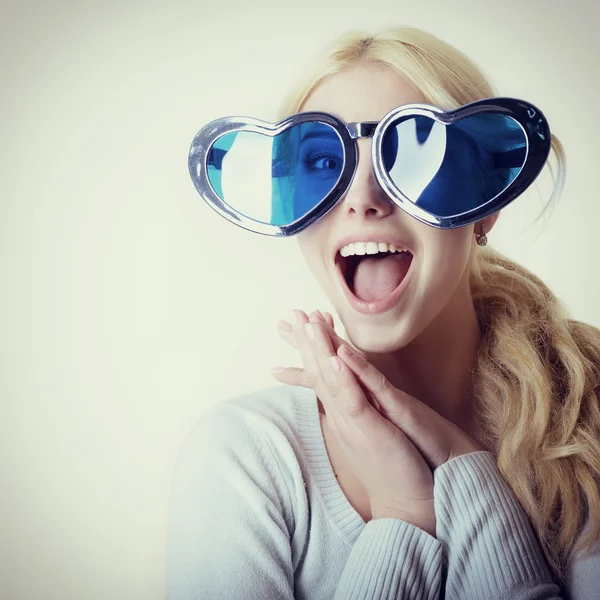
[361,248]
[372,247]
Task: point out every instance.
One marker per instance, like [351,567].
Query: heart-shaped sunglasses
[444,168]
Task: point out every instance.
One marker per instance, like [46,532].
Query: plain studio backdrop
[129,306]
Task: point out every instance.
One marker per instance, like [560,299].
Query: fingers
[329,319]
[323,371]
[352,418]
[351,412]
[296,335]
[336,340]
[309,358]
[330,366]
[414,418]
[390,399]
[293,376]
[285,329]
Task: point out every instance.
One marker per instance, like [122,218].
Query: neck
[436,367]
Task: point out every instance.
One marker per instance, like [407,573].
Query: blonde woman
[450,447]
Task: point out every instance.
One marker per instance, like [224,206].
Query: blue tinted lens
[447,170]
[277,179]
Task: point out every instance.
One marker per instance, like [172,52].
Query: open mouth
[373,277]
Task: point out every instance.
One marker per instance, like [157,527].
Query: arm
[228,538]
[490,549]
[582,577]
[392,560]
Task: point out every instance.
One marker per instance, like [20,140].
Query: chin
[372,338]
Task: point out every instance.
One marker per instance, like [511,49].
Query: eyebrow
[328,134]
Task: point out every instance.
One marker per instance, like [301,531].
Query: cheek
[453,259]
[447,262]
[306,243]
[313,241]
[311,248]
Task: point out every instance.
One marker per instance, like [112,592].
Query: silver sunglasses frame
[531,120]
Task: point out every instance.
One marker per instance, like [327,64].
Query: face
[437,282]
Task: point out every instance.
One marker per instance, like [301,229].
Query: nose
[365,198]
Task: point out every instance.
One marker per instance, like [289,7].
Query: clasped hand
[393,441]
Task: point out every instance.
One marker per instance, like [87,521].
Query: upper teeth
[369,248]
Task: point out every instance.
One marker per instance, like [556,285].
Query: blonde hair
[537,378]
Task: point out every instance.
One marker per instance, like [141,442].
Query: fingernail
[310,330]
[277,370]
[320,315]
[335,361]
[346,350]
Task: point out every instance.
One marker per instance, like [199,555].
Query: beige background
[128,306]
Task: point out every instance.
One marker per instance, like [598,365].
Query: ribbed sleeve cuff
[392,559]
[487,539]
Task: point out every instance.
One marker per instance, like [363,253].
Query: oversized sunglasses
[444,168]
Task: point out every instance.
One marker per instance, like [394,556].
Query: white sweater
[256,512]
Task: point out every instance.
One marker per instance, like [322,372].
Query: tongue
[376,278]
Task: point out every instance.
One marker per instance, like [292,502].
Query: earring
[481,237]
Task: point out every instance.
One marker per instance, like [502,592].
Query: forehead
[362,93]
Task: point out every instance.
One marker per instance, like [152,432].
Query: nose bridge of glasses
[364,188]
[358,130]
[362,129]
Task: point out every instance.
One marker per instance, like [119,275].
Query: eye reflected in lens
[276,180]
[447,170]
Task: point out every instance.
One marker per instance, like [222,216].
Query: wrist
[424,522]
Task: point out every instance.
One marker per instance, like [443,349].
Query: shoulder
[265,423]
[278,405]
[237,485]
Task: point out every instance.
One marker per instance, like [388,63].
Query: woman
[451,447]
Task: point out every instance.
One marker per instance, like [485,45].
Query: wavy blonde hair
[537,378]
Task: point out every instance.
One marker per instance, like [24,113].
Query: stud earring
[481,237]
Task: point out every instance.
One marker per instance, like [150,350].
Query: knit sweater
[256,512]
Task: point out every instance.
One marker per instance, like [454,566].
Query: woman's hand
[437,439]
[397,480]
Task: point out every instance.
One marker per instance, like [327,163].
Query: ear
[488,223]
